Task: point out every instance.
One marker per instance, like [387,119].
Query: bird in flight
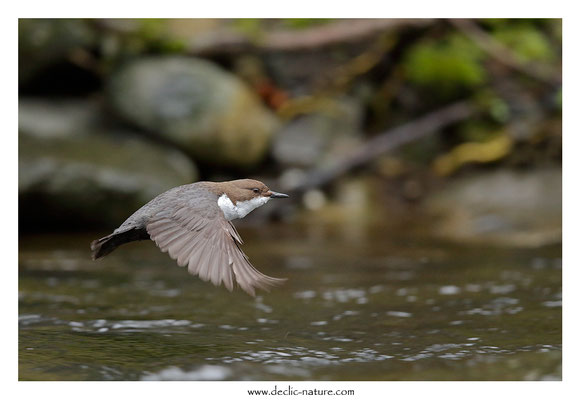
[192,223]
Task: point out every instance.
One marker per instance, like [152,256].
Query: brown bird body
[192,224]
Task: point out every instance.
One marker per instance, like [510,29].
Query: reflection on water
[367,308]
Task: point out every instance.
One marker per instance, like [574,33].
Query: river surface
[359,304]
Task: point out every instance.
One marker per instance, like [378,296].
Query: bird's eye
[255,190]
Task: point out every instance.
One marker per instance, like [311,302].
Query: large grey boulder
[521,208]
[208,112]
[75,173]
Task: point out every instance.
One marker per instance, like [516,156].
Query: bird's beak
[276,195]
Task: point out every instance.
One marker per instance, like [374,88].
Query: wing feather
[208,244]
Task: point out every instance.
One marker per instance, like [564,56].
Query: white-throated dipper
[192,223]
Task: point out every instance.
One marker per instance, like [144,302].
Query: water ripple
[203,373]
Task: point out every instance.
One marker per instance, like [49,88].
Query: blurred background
[423,159]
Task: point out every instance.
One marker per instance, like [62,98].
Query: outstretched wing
[204,241]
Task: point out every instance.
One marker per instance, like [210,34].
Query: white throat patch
[242,208]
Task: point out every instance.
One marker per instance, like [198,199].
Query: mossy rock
[92,180]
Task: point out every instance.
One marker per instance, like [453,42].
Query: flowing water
[358,305]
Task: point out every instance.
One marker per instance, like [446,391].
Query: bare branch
[341,31]
[503,54]
[388,141]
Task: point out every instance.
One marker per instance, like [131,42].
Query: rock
[94,178]
[320,137]
[42,42]
[206,111]
[57,119]
[505,207]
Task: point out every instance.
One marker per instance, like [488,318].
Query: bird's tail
[102,247]
[105,245]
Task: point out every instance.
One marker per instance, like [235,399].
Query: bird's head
[247,189]
[241,196]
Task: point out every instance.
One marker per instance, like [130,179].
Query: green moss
[252,27]
[526,42]
[446,65]
[303,23]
